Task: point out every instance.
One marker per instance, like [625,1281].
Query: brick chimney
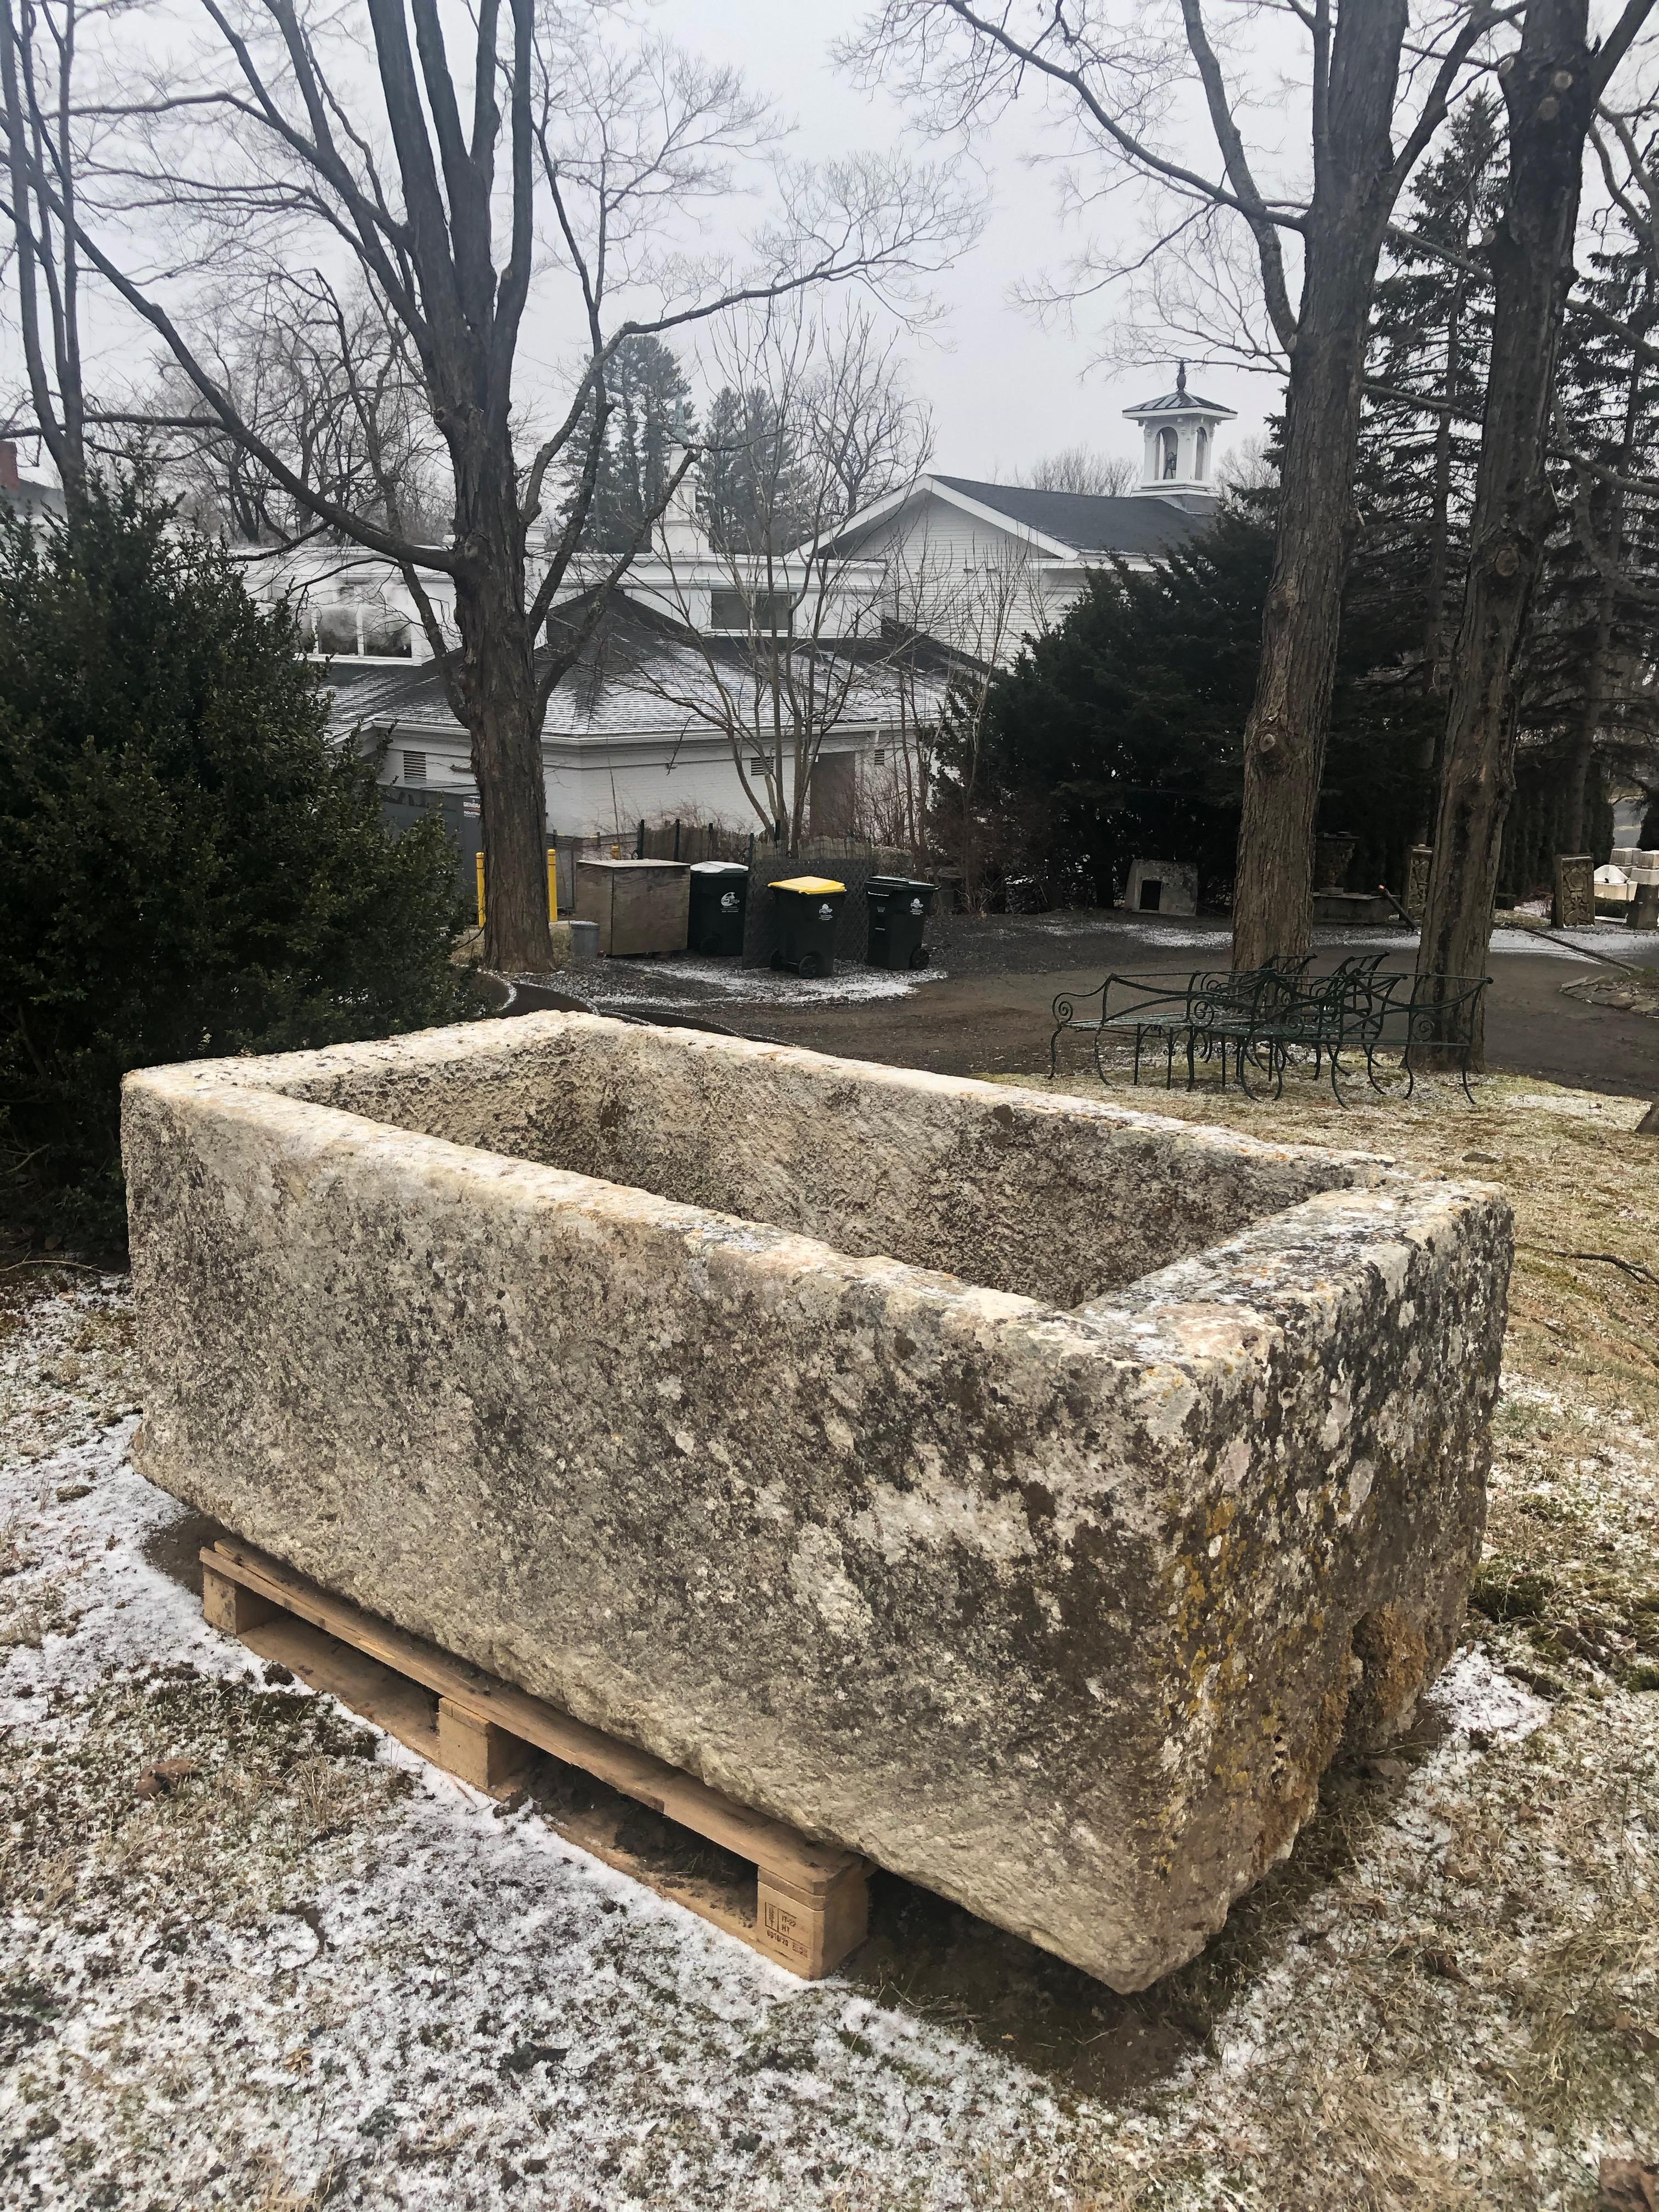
[9,479]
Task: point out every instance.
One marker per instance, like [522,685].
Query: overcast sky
[1004,389]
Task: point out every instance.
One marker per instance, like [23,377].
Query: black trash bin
[808,907]
[899,908]
[720,893]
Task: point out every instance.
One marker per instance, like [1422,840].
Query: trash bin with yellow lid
[808,907]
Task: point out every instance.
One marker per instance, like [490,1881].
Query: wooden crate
[806,1906]
[640,906]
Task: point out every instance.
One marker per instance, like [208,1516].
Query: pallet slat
[810,1905]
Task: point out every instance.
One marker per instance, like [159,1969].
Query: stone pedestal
[1419,863]
[1573,906]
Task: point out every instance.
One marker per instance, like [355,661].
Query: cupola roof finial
[1181,378]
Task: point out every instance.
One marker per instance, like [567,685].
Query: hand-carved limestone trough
[1023,1491]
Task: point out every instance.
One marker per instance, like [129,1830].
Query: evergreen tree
[650,419]
[752,500]
[188,864]
[1120,732]
[1586,696]
[1414,483]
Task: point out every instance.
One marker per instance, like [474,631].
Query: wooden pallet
[807,1906]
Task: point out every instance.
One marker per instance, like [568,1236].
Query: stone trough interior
[1057,1200]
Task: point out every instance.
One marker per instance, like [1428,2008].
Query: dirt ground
[986,1005]
[313,1971]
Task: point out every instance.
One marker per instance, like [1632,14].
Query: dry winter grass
[308,1972]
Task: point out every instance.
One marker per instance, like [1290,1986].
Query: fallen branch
[1583,952]
[1404,912]
[1633,1269]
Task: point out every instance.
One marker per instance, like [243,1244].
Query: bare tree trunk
[496,685]
[1598,674]
[1285,738]
[1586,723]
[503,721]
[55,384]
[1434,637]
[1550,93]
[1435,654]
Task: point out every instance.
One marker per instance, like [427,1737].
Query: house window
[414,768]
[386,633]
[738,611]
[1169,448]
[337,630]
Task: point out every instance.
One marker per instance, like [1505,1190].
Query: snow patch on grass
[728,984]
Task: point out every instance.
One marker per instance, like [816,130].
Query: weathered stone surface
[1023,1491]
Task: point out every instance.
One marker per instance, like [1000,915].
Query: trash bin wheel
[810,965]
[919,956]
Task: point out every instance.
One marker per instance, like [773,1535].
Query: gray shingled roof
[1178,402]
[1091,522]
[614,690]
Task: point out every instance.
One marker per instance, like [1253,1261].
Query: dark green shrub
[1120,731]
[187,865]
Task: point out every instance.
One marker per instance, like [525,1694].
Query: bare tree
[979,610]
[37,78]
[548,156]
[1080,468]
[1615,495]
[1374,103]
[958,617]
[1248,467]
[328,381]
[795,643]
[1551,90]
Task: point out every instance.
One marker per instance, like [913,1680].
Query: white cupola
[1179,432]
[680,535]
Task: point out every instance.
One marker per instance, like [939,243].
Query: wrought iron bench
[1159,1006]
[1413,1012]
[1261,1016]
[1209,1012]
[1360,1008]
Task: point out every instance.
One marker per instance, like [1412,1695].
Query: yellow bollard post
[481,904]
[552,882]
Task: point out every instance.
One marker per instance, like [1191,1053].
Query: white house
[352,604]
[970,565]
[23,495]
[627,734]
[979,566]
[620,745]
